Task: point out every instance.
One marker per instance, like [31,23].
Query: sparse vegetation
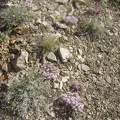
[47,43]
[23,93]
[3,36]
[15,16]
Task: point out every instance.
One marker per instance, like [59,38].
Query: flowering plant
[70,19]
[73,100]
[94,10]
[49,71]
[76,85]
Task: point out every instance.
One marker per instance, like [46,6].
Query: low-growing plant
[47,43]
[49,71]
[90,28]
[3,36]
[15,16]
[73,101]
[26,97]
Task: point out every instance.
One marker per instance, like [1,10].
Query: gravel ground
[96,46]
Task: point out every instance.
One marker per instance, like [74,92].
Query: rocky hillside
[59,59]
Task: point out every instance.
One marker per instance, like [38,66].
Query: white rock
[51,57]
[64,54]
[61,1]
[38,21]
[44,23]
[61,85]
[108,79]
[83,67]
[60,25]
[65,79]
[56,84]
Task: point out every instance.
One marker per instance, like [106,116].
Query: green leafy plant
[15,16]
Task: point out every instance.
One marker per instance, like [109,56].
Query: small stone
[56,85]
[80,58]
[44,23]
[100,56]
[5,66]
[20,60]
[64,54]
[108,79]
[60,25]
[109,119]
[52,114]
[12,56]
[61,1]
[51,57]
[38,21]
[83,67]
[65,79]
[61,85]
[72,61]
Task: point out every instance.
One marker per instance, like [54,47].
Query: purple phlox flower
[94,9]
[80,107]
[73,100]
[49,71]
[70,19]
[28,4]
[76,85]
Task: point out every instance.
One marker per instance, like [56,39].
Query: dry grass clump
[47,43]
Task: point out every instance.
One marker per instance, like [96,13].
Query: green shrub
[15,16]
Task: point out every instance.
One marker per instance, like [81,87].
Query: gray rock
[83,67]
[51,57]
[64,54]
[60,25]
[20,60]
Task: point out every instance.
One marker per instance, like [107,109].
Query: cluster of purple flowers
[70,19]
[76,85]
[73,100]
[94,10]
[49,71]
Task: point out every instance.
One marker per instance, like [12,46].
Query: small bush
[15,16]
[47,43]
